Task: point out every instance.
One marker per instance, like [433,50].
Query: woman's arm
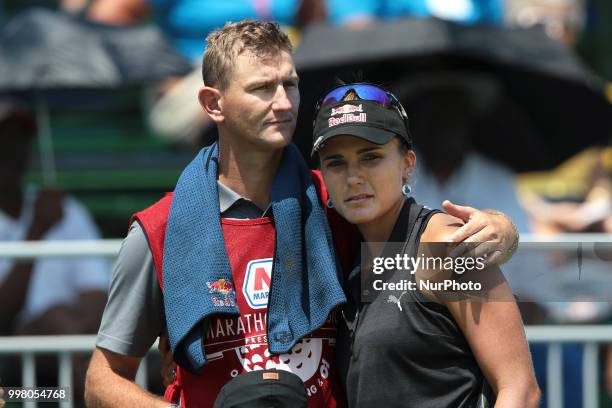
[490,320]
[495,332]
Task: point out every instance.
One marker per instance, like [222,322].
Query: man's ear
[209,100]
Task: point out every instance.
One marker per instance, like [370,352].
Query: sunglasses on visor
[365,91]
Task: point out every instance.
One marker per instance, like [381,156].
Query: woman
[416,347]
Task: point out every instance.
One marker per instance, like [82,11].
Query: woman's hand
[487,233]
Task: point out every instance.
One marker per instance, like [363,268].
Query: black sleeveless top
[413,356]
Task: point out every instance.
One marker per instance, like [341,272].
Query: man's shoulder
[154,218]
[160,208]
[162,203]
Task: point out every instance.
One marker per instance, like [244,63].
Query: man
[176,114]
[251,93]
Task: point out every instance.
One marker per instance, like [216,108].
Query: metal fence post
[554,377]
[590,377]
[65,378]
[28,374]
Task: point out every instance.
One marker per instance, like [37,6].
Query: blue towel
[305,279]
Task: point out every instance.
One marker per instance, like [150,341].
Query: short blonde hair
[262,39]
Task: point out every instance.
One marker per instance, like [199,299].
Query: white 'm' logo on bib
[256,287]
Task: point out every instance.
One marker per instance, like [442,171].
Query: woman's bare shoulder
[440,227]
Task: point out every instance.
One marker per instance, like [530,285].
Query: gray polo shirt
[134,315]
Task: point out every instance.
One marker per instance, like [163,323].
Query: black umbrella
[558,97]
[43,50]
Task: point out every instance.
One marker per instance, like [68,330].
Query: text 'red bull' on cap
[365,119]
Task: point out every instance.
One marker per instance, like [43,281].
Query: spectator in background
[593,214]
[445,108]
[75,7]
[50,295]
[562,19]
[361,12]
[177,115]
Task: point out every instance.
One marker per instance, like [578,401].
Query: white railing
[62,346]
[110,247]
[560,238]
[37,249]
[591,336]
[65,346]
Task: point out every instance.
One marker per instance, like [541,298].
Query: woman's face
[364,180]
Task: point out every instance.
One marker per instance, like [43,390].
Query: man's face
[261,102]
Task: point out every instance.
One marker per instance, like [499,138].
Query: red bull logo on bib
[256,287]
[223,290]
[221,286]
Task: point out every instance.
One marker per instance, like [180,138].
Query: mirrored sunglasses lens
[366,92]
[335,95]
[372,93]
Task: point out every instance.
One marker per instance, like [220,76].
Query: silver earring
[406,189]
[329,203]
